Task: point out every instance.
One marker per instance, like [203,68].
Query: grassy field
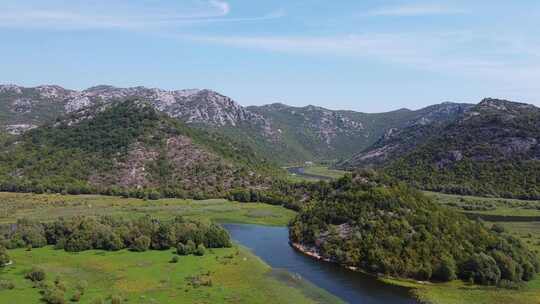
[316,170]
[324,171]
[231,275]
[47,207]
[488,206]
[237,275]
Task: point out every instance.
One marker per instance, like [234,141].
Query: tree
[446,269]
[482,269]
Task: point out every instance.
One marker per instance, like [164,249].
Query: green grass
[316,170]
[324,171]
[46,207]
[458,292]
[498,206]
[237,276]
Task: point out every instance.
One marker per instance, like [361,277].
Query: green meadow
[230,275]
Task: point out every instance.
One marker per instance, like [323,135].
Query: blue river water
[271,245]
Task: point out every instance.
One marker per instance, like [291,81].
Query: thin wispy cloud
[119,17]
[437,52]
[411,10]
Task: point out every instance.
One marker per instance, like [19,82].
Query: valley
[436,205]
[269,152]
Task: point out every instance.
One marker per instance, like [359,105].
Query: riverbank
[455,292]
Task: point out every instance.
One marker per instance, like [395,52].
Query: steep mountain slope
[128,146]
[317,133]
[492,149]
[396,142]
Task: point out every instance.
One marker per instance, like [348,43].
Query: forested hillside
[492,149]
[131,149]
[365,222]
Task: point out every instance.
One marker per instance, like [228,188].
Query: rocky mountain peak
[192,105]
[10,88]
[503,105]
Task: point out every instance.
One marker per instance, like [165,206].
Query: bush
[174,259]
[200,250]
[187,249]
[76,297]
[116,300]
[140,244]
[35,275]
[6,285]
[81,286]
[53,296]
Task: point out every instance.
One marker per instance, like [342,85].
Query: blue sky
[369,55]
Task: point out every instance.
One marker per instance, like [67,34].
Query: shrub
[35,275]
[53,296]
[174,259]
[81,286]
[140,244]
[200,250]
[6,285]
[76,297]
[116,300]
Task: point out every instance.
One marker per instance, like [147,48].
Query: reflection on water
[271,244]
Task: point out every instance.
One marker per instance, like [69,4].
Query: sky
[369,55]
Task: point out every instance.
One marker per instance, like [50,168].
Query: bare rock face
[192,106]
[19,129]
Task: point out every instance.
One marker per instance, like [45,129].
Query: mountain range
[281,133]
[205,139]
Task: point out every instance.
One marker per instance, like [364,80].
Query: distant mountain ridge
[492,148]
[192,105]
[282,133]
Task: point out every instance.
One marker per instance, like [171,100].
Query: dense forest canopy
[392,229]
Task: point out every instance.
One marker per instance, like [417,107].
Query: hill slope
[127,146]
[491,149]
[383,228]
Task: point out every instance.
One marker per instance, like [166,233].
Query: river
[271,245]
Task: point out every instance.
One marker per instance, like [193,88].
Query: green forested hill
[128,148]
[492,149]
[386,228]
